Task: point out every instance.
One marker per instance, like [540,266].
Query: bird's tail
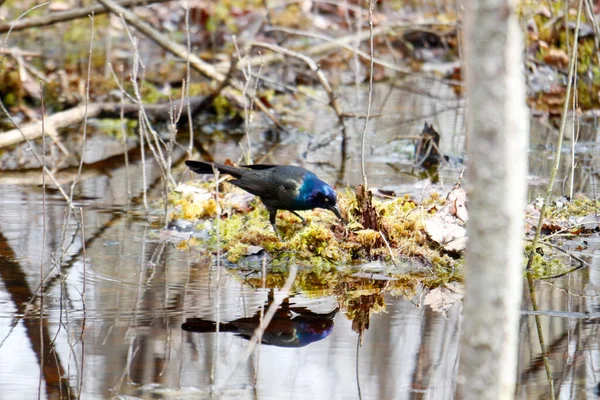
[203,167]
[203,326]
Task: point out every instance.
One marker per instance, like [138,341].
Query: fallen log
[63,119]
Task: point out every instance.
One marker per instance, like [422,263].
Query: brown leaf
[443,229]
[557,57]
[442,298]
[457,199]
[446,226]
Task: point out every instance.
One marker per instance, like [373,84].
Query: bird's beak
[336,211]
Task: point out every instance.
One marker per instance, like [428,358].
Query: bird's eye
[326,199]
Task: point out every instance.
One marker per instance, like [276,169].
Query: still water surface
[132,288]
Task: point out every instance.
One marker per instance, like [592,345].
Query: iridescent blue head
[309,333]
[314,193]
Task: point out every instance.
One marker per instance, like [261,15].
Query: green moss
[223,108]
[580,206]
[322,243]
[543,266]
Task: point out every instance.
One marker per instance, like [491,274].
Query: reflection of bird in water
[290,327]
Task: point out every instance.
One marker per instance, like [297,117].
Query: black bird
[280,187]
[291,326]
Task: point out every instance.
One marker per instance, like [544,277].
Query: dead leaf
[442,298]
[443,229]
[557,57]
[457,199]
[446,226]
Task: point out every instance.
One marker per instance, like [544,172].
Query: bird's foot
[301,218]
[276,232]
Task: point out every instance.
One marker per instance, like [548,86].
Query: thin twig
[83,303]
[218,301]
[560,139]
[540,333]
[289,282]
[43,256]
[247,103]
[124,141]
[370,100]
[187,77]
[387,244]
[86,102]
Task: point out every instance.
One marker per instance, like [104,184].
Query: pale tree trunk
[498,136]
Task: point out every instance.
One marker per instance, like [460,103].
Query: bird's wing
[259,183]
[259,166]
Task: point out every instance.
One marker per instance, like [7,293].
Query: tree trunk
[498,136]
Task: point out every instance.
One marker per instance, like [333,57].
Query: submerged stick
[538,325]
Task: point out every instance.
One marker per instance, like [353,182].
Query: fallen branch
[69,15]
[63,119]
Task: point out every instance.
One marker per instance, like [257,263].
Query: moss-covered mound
[241,223]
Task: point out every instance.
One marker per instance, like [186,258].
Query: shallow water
[131,289]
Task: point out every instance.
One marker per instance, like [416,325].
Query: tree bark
[498,124]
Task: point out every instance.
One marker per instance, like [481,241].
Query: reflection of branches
[540,333]
[132,349]
[36,329]
[538,363]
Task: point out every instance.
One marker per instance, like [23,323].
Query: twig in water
[560,139]
[540,333]
[358,340]
[43,256]
[124,140]
[218,305]
[84,319]
[289,282]
[572,61]
[575,133]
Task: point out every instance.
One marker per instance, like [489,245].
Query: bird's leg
[299,216]
[272,219]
